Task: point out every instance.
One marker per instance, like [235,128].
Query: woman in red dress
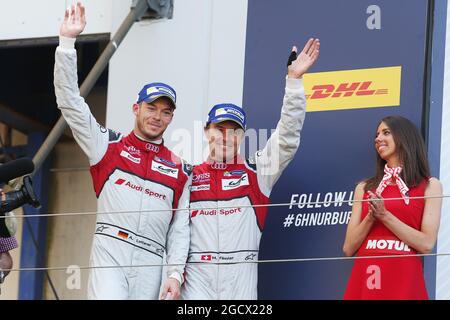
[405,225]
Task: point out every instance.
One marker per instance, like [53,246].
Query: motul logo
[323,91]
[382,244]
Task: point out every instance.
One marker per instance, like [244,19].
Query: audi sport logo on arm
[353,89]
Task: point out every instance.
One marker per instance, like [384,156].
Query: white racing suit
[130,176]
[232,234]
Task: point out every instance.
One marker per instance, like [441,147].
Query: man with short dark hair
[138,181]
[225,227]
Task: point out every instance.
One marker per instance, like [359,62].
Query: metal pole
[135,14]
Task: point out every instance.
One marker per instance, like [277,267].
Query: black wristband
[292,57]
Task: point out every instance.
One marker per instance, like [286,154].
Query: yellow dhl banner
[353,89]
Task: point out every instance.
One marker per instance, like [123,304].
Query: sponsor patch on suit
[128,156]
[230,184]
[163,169]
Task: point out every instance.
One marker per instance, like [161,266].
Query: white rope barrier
[159,265]
[270,205]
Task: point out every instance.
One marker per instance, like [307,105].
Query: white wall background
[200,52]
[443,246]
[36,19]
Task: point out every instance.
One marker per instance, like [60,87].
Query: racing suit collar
[144,145]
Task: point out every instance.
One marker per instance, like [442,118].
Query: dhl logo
[353,89]
[344,90]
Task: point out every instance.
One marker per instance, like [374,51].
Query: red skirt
[387,279]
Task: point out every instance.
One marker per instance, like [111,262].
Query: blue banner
[385,38]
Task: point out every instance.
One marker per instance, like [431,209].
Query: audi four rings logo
[152,147]
[219,166]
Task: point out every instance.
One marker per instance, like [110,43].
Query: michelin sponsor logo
[226,110]
[159,89]
[163,169]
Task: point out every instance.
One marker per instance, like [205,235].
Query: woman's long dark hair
[411,151]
